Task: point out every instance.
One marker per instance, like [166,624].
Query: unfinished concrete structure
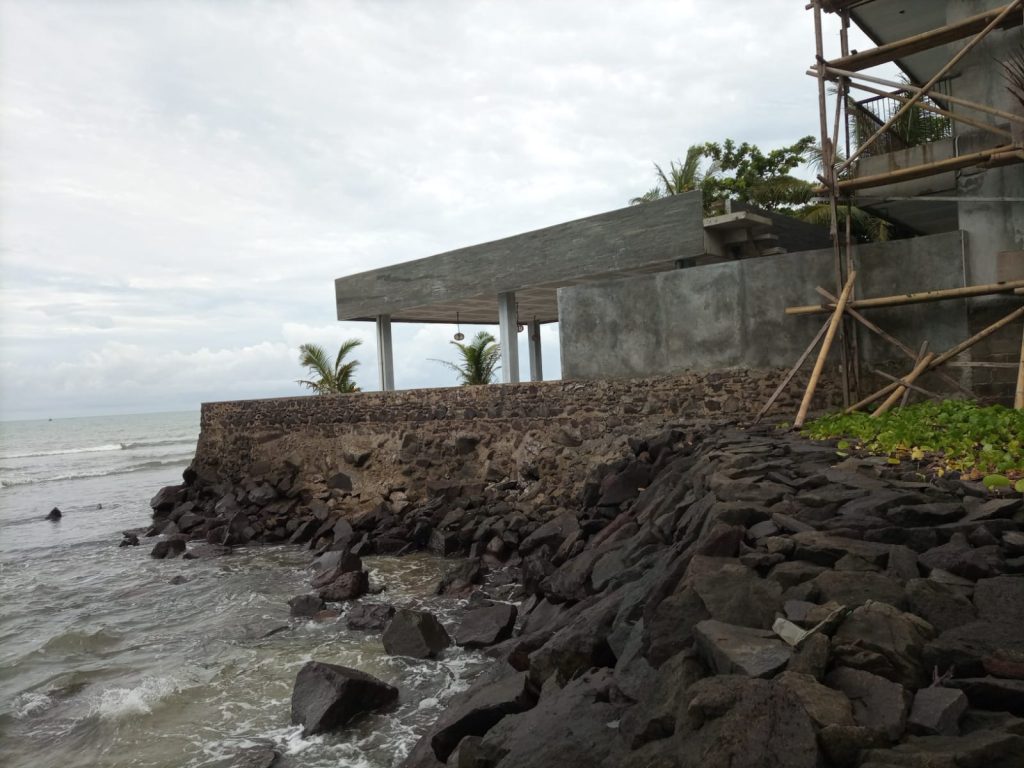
[654,289]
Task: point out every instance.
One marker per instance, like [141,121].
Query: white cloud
[182,182]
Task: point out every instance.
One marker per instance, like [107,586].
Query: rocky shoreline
[716,596]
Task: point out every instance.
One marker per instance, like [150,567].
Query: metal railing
[918,126]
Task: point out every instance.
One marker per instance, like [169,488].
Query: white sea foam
[28,704]
[117,703]
[65,451]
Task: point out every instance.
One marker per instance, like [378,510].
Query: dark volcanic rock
[348,586]
[941,605]
[54,514]
[572,726]
[340,560]
[886,641]
[415,633]
[730,649]
[327,696]
[165,499]
[480,708]
[459,580]
[348,565]
[168,548]
[737,722]
[486,626]
[369,616]
[937,711]
[878,704]
[306,605]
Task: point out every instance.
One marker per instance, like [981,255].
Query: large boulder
[885,641]
[415,633]
[735,594]
[306,606]
[479,709]
[326,696]
[486,626]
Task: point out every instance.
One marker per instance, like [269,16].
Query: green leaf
[1019,486]
[996,481]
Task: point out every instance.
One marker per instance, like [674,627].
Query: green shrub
[952,435]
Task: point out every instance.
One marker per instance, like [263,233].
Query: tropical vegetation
[327,376]
[954,435]
[480,360]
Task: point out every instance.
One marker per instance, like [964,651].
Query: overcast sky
[181,182]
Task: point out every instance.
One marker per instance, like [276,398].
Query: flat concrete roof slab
[629,241]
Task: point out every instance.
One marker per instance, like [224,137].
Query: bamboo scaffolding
[936,110]
[963,346]
[908,46]
[915,298]
[921,367]
[926,88]
[1004,155]
[792,372]
[948,98]
[819,364]
[906,350]
[906,389]
[1018,399]
[909,385]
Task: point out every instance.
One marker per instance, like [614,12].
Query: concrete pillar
[536,366]
[508,323]
[385,356]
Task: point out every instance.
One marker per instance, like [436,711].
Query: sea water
[105,662]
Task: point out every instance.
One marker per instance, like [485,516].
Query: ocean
[105,662]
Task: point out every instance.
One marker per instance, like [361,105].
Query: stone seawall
[431,438]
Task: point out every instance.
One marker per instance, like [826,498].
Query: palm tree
[480,360]
[681,177]
[327,378]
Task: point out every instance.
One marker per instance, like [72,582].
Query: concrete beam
[617,242]
[536,364]
[508,322]
[385,355]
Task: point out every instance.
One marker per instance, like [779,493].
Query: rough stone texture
[369,616]
[486,626]
[326,696]
[415,633]
[730,649]
[884,640]
[305,606]
[878,704]
[937,711]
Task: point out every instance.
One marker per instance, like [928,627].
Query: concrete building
[655,289]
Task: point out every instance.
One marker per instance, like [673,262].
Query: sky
[182,181]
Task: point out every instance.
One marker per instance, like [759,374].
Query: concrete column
[508,322]
[536,366]
[385,356]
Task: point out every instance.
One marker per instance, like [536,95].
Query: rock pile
[745,598]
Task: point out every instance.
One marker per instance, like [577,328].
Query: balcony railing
[917,126]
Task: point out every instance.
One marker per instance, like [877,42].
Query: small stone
[55,515]
[348,586]
[305,606]
[369,616]
[937,711]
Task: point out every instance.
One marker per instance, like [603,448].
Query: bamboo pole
[894,341]
[926,88]
[792,372]
[915,298]
[890,401]
[924,41]
[1018,399]
[946,97]
[936,110]
[1001,155]
[906,390]
[819,364]
[963,346]
[922,390]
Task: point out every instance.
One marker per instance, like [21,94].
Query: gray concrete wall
[733,314]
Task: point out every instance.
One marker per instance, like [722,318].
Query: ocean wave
[7,482]
[118,703]
[154,443]
[64,451]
